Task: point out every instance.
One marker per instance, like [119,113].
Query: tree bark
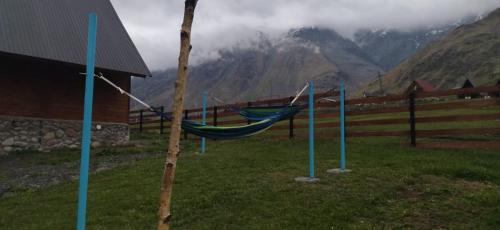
[174,139]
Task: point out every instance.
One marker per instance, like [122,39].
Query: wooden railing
[359,112]
[143,117]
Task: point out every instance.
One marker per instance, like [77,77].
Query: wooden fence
[362,112]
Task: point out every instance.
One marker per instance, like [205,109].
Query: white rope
[100,76]
[217,99]
[121,90]
[300,93]
[328,99]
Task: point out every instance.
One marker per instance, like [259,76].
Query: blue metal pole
[87,122]
[311,129]
[204,119]
[342,126]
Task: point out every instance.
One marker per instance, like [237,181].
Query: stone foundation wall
[20,133]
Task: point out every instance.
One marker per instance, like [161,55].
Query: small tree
[175,130]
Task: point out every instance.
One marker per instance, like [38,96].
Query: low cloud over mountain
[154,24]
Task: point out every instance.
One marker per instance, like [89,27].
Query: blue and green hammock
[265,117]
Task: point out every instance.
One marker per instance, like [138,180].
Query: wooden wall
[41,89]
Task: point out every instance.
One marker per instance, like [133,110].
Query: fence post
[186,115]
[290,124]
[248,105]
[413,133]
[215,115]
[204,118]
[140,120]
[162,109]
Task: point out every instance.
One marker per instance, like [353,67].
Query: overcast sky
[154,24]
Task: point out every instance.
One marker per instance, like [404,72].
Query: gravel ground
[18,173]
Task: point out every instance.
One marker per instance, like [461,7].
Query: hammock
[262,113]
[265,117]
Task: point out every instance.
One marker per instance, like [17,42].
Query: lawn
[249,184]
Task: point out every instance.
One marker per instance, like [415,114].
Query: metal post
[204,118]
[162,109]
[413,133]
[311,129]
[215,115]
[87,122]
[342,126]
[140,120]
[186,116]
[342,164]
[310,178]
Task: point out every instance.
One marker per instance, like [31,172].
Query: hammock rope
[265,117]
[300,93]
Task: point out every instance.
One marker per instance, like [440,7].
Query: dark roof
[57,30]
[420,86]
[425,85]
[468,84]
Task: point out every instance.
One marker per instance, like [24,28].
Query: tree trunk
[175,130]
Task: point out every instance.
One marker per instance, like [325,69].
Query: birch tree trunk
[175,130]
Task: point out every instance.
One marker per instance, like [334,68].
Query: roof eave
[75,65]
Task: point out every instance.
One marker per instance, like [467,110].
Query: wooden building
[468,84]
[42,53]
[495,94]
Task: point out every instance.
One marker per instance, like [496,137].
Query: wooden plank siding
[56,91]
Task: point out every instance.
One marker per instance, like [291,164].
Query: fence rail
[408,107]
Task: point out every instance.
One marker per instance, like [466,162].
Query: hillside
[279,67]
[389,47]
[271,69]
[470,51]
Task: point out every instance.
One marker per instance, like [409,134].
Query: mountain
[389,47]
[469,51]
[269,69]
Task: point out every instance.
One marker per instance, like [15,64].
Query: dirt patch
[21,174]
[277,176]
[473,185]
[423,220]
[431,189]
[411,193]
[458,185]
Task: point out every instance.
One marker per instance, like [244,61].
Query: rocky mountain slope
[279,67]
[271,69]
[389,47]
[470,51]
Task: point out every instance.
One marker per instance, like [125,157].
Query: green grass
[248,184]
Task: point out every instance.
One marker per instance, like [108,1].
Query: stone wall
[21,133]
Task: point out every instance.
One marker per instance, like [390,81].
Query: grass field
[249,184]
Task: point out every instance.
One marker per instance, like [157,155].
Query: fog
[154,24]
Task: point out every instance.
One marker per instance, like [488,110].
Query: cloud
[154,24]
